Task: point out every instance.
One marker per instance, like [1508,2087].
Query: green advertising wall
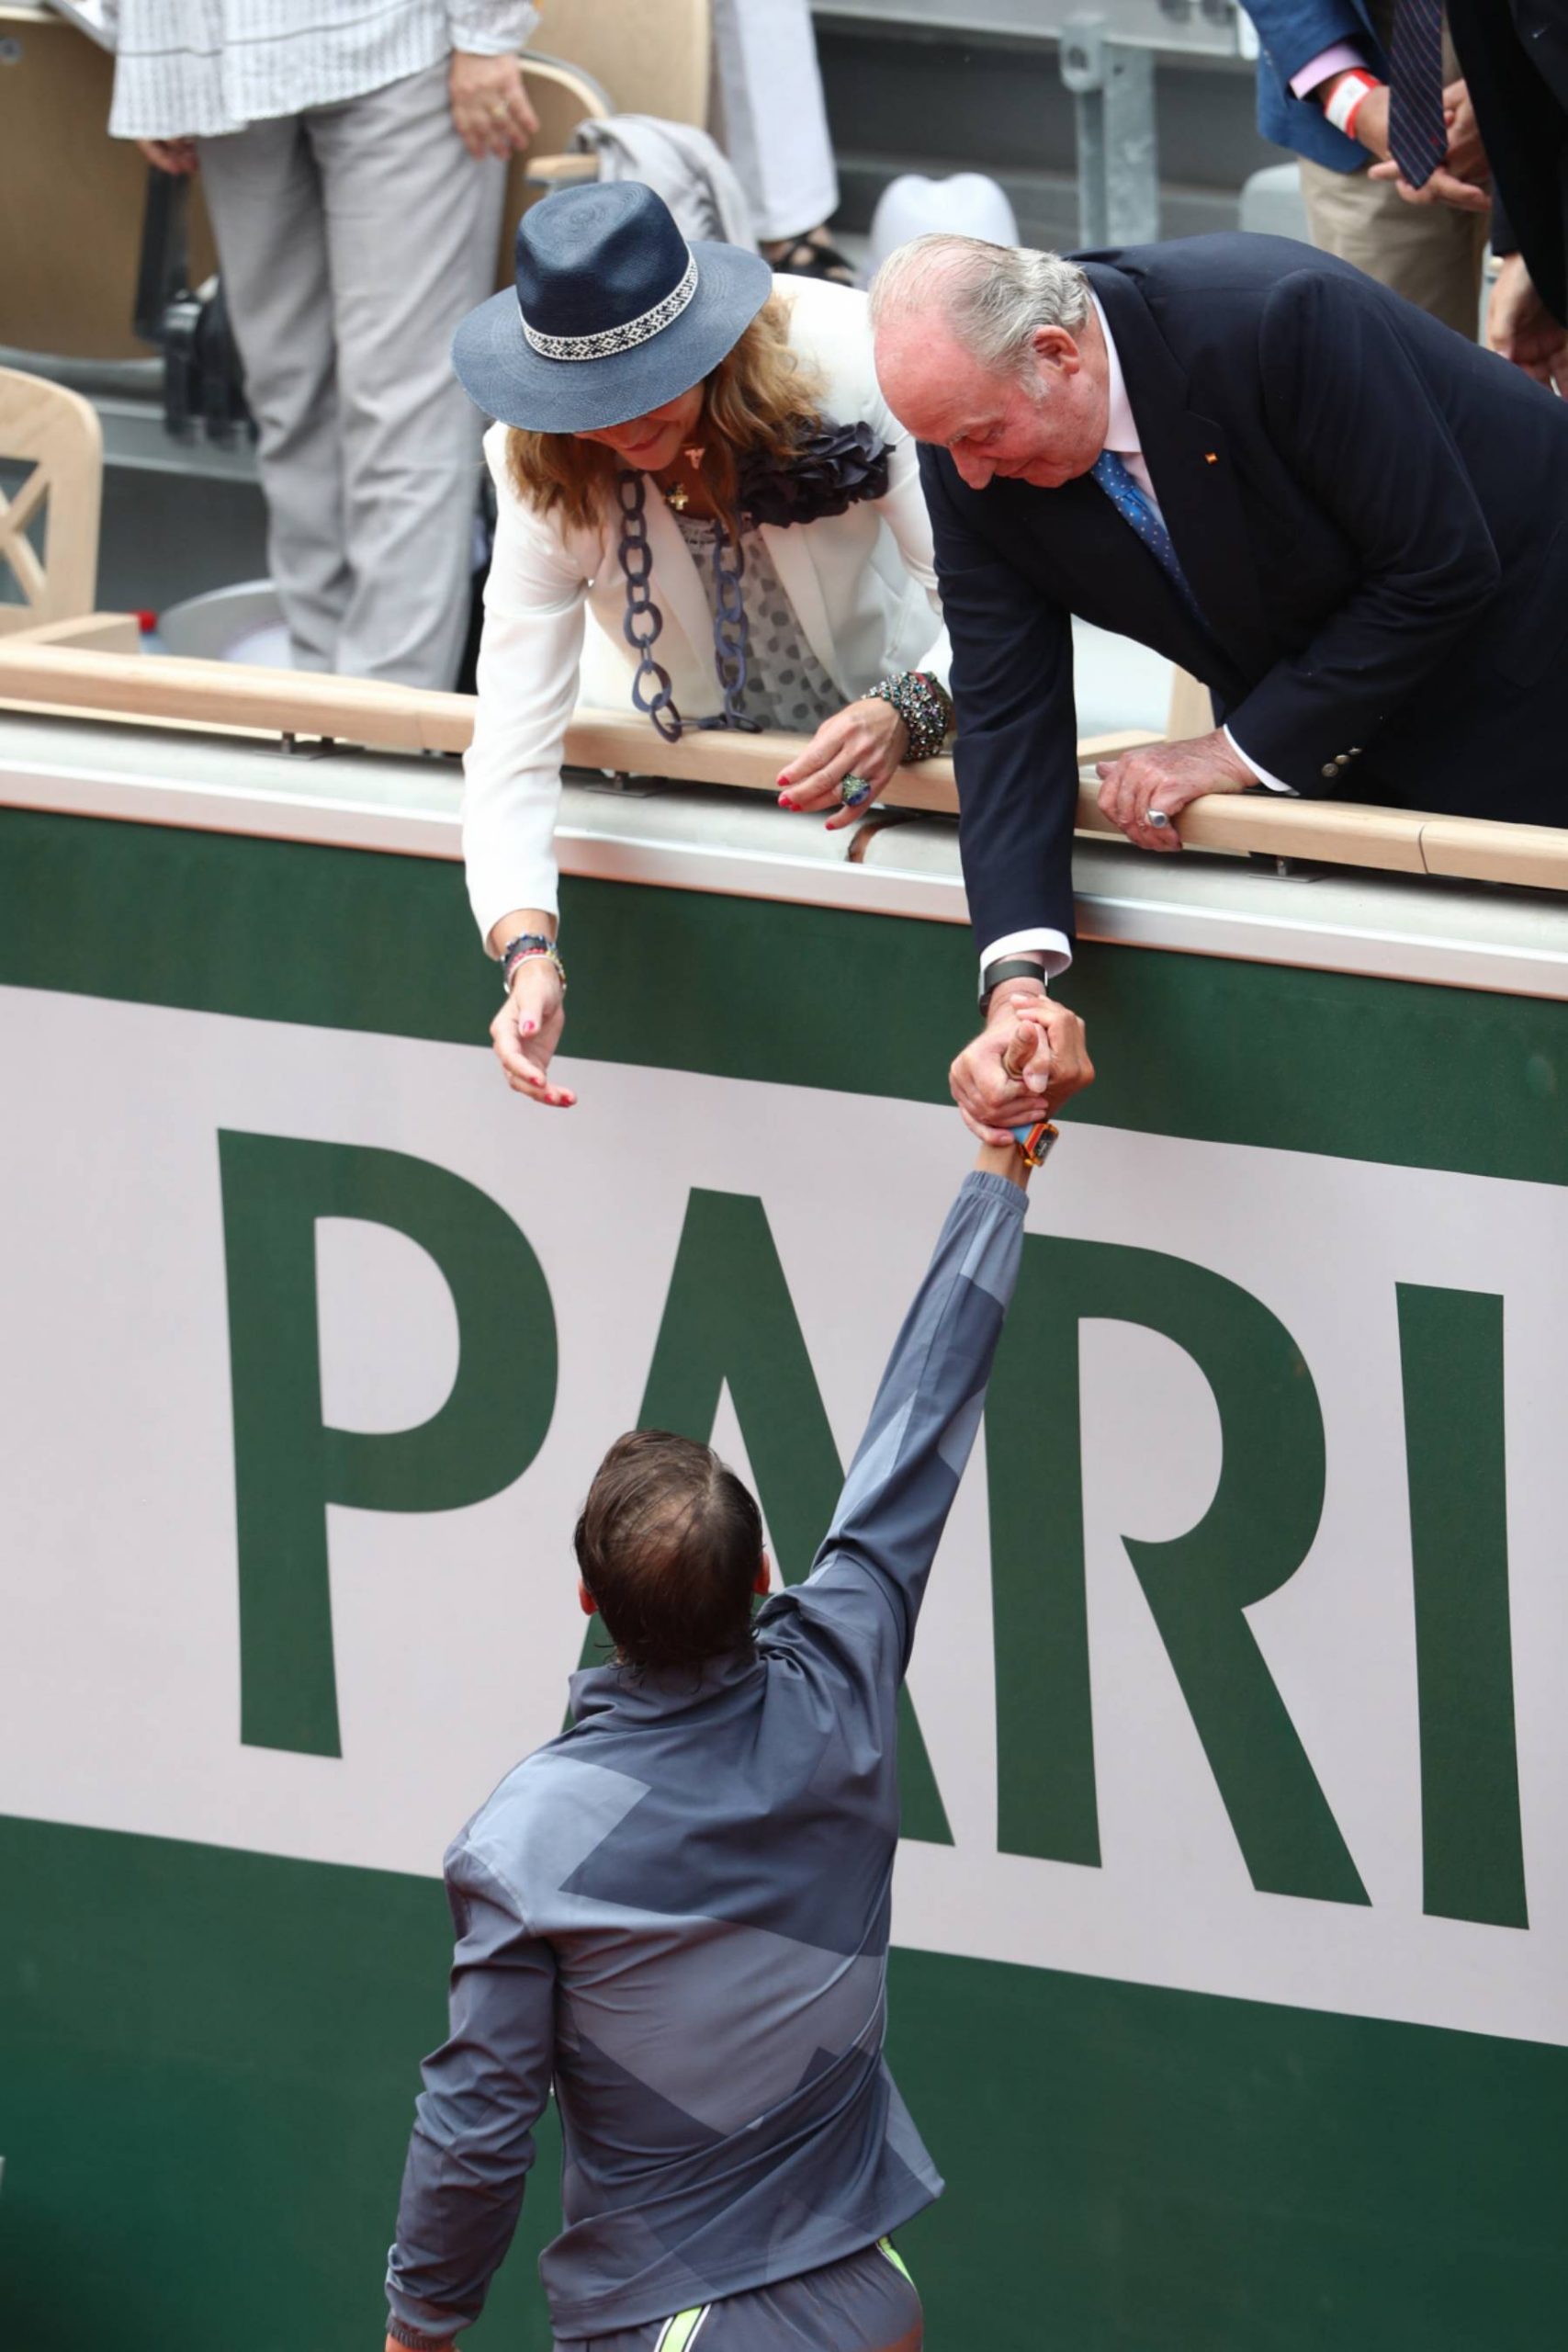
[207,2056]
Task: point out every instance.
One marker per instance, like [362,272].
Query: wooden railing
[55,676]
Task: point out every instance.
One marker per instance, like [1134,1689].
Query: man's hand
[1520,328]
[1466,158]
[1458,178]
[177,156]
[868,739]
[490,104]
[996,1087]
[1165,776]
[526,1031]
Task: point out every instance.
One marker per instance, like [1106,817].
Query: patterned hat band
[612,340]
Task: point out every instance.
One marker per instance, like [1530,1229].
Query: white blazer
[862,585]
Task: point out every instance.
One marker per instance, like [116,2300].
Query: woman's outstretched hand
[526,1031]
[868,739]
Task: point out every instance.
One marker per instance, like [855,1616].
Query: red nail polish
[784,801]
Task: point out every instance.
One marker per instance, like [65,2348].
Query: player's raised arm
[907,1470]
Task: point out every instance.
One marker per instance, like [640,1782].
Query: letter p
[288,1464]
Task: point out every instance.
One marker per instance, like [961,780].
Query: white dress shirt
[1122,436]
[200,69]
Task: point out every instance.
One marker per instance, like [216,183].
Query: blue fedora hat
[614,314]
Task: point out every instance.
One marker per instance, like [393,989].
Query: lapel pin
[1211,457]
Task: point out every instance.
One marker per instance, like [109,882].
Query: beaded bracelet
[924,705]
[522,950]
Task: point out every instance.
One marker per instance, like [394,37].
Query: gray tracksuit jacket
[676,1914]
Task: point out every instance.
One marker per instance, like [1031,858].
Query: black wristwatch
[1006,967]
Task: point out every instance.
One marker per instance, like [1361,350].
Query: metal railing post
[1112,88]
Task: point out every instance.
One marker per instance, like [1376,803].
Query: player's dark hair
[669,1544]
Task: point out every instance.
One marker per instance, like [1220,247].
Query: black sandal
[807,258]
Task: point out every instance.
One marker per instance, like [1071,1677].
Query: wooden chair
[655,59]
[57,435]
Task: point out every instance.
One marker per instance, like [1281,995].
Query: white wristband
[1345,104]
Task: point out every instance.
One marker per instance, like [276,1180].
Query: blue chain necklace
[642,621]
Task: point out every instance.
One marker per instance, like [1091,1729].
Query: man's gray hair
[993,297]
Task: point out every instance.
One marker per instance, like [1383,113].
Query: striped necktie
[1417,135]
[1135,507]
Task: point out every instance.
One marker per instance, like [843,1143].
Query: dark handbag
[203,378]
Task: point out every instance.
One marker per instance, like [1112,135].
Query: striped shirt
[201,68]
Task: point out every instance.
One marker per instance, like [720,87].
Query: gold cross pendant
[678,497]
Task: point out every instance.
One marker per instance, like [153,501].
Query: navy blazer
[1291,33]
[1371,513]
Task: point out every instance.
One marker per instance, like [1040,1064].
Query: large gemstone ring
[853,789]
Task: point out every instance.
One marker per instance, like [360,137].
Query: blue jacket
[676,1914]
[1292,32]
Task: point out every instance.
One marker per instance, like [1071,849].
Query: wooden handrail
[233,696]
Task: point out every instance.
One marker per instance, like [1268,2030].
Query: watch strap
[1007,967]
[1035,1142]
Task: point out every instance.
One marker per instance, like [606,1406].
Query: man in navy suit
[1345,520]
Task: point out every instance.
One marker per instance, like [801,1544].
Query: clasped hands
[1458,180]
[1030,1057]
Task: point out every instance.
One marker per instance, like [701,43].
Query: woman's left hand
[868,739]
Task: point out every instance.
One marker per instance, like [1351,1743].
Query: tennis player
[676,1914]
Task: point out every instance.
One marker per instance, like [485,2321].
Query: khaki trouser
[1428,252]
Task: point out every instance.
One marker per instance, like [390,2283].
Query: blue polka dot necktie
[1135,507]
[1417,135]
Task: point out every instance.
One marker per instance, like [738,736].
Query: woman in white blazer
[706,514]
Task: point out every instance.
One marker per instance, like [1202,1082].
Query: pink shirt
[1343,58]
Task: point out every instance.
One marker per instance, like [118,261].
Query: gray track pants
[352,238]
[866,2303]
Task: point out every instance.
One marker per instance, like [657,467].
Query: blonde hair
[761,400]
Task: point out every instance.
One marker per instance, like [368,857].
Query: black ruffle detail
[831,470]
